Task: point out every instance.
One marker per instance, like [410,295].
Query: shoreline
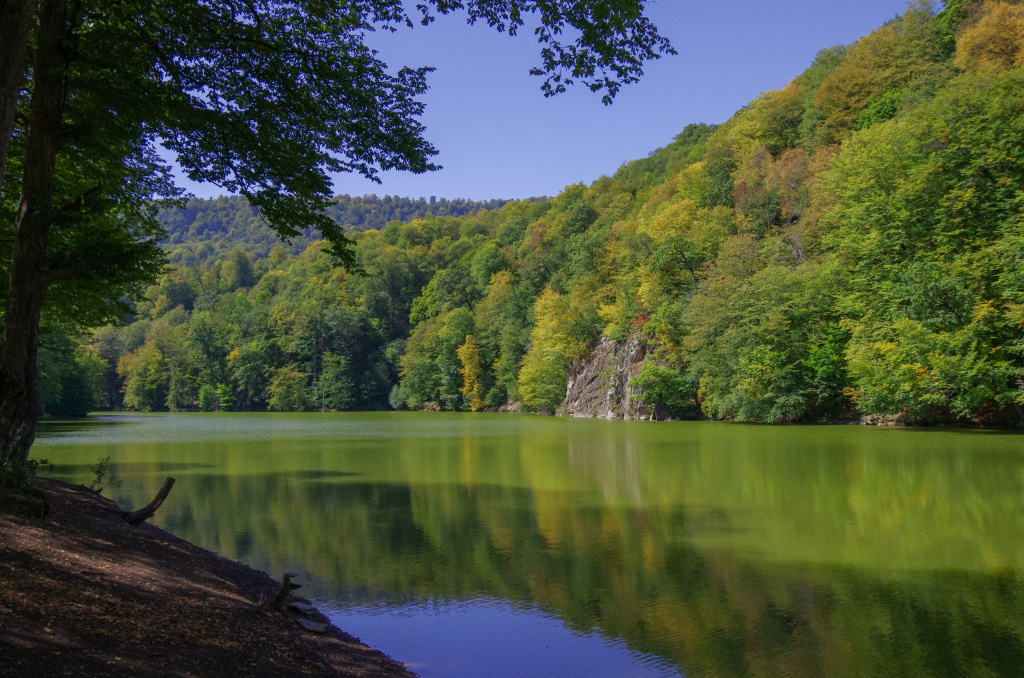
[867,420]
[82,593]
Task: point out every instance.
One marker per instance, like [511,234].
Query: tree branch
[148,511]
[76,204]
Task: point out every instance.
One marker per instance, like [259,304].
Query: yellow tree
[469,354]
[553,343]
[995,40]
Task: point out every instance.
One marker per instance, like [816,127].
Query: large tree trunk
[15,21]
[27,282]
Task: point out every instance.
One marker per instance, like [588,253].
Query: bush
[666,387]
[103,475]
[19,475]
[399,394]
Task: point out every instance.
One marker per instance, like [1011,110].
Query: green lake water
[514,545]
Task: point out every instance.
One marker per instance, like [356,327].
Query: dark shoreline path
[82,593]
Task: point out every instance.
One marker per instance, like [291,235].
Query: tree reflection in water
[727,550]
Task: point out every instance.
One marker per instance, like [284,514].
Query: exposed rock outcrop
[599,386]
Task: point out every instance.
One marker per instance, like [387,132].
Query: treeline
[206,230]
[850,245]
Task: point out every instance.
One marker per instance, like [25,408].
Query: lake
[516,545]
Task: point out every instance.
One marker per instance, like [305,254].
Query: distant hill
[206,229]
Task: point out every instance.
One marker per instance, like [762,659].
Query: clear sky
[498,137]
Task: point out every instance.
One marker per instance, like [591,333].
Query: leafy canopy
[269,98]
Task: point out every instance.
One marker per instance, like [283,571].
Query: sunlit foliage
[850,245]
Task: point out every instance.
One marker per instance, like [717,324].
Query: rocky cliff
[599,386]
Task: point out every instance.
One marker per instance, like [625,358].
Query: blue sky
[498,137]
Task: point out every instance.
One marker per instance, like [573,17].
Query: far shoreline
[50,425]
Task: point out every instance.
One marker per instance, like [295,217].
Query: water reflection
[58,427]
[724,550]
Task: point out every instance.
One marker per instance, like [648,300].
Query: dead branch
[277,602]
[144,514]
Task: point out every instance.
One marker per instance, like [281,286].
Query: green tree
[208,398]
[225,397]
[661,385]
[70,375]
[542,379]
[288,391]
[145,378]
[334,389]
[248,365]
[237,270]
[927,221]
[485,262]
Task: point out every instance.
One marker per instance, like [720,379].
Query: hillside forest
[850,246]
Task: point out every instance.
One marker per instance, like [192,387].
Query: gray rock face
[599,386]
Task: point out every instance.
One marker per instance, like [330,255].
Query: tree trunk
[15,18]
[26,285]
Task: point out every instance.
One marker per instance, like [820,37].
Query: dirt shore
[82,593]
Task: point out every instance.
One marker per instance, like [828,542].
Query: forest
[206,230]
[850,246]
